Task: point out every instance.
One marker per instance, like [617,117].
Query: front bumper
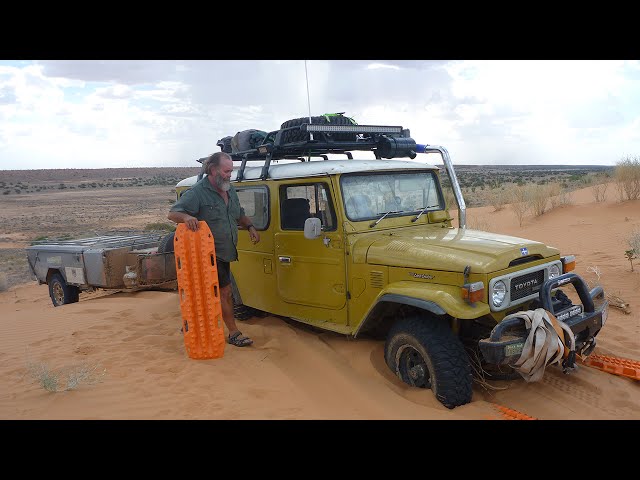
[506,341]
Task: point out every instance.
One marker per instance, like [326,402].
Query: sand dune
[134,342]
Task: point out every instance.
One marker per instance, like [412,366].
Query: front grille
[526,285]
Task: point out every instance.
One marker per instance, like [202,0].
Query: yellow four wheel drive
[367,247]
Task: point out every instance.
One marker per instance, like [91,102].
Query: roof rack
[384,141]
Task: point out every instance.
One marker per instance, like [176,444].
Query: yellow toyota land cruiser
[367,247]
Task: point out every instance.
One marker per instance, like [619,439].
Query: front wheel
[424,353]
[62,293]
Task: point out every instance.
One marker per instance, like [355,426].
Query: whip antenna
[308,100]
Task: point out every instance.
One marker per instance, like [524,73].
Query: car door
[310,272]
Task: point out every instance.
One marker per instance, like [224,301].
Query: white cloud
[78,114]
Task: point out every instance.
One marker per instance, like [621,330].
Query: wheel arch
[53,271]
[390,307]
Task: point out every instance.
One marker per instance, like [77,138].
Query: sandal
[239,340]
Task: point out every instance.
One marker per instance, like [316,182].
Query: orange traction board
[198,288]
[615,365]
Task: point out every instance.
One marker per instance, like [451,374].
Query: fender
[433,298]
[51,271]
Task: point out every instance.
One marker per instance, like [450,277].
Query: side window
[299,202]
[255,201]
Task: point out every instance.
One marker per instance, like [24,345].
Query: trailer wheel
[60,292]
[424,353]
[166,244]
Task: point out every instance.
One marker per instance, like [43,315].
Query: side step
[198,288]
[617,366]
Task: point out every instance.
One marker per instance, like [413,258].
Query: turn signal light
[473,292]
[568,263]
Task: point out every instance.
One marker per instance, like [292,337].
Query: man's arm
[183,217]
[245,222]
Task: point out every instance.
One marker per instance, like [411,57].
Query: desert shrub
[497,198]
[634,241]
[450,198]
[4,283]
[599,188]
[479,223]
[160,226]
[627,178]
[554,190]
[539,197]
[518,198]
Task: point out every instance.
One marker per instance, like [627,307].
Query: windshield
[371,195]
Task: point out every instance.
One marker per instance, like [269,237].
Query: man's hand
[183,217]
[192,223]
[254,235]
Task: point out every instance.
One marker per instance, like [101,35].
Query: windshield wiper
[423,210]
[373,224]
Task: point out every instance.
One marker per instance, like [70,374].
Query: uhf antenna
[308,100]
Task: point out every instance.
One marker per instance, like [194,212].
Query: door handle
[284,259]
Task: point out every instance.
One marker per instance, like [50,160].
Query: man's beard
[222,184]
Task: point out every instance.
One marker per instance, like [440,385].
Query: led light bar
[352,128]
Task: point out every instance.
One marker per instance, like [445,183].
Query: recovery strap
[545,344]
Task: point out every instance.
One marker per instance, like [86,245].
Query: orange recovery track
[511,414]
[617,366]
[198,288]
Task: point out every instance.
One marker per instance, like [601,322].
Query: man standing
[214,200]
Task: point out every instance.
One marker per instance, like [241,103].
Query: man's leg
[226,301]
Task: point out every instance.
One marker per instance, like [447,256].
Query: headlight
[498,293]
[554,271]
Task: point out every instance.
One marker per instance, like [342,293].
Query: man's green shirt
[203,202]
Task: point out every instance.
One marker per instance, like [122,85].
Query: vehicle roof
[324,167]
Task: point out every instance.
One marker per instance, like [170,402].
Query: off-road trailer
[105,262]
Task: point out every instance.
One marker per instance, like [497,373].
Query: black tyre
[423,352]
[300,136]
[242,312]
[60,292]
[166,244]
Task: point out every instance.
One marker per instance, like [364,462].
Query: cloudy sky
[161,113]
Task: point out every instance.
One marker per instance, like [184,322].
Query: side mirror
[312,228]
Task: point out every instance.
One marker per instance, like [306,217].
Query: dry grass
[614,300]
[66,378]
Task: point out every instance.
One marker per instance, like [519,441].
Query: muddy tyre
[62,293]
[300,136]
[424,353]
[166,244]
